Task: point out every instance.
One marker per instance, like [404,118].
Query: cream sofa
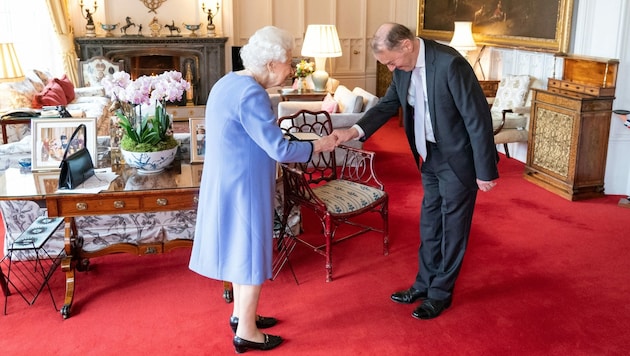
[351,105]
[38,87]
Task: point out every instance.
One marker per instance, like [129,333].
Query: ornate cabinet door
[568,143]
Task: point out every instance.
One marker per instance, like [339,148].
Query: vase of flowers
[303,70]
[140,105]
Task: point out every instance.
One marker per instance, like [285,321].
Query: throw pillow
[15,95]
[348,102]
[45,77]
[67,86]
[52,95]
[329,104]
[369,100]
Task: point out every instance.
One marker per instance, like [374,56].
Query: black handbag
[78,167]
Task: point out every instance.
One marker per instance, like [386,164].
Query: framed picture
[196,171]
[197,139]
[543,25]
[51,138]
[46,182]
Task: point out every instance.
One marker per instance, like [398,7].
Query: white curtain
[61,23]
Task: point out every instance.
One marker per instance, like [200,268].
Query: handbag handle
[76,131]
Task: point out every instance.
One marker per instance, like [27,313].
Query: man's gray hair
[389,36]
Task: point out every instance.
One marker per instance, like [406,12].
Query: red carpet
[543,276]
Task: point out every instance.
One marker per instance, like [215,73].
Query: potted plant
[140,106]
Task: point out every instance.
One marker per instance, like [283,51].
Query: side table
[302,95]
[12,121]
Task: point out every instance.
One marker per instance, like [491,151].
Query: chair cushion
[342,196]
[348,102]
[512,92]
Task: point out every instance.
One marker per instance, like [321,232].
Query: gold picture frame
[46,182]
[197,139]
[50,135]
[541,25]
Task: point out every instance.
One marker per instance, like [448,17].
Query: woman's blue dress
[234,232]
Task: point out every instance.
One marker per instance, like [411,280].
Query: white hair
[266,45]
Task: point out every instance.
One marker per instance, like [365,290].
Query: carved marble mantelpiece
[204,56]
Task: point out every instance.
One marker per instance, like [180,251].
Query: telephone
[20,113]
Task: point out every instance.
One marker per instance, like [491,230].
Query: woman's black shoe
[242,345]
[262,322]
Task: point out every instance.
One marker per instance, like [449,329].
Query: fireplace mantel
[205,56]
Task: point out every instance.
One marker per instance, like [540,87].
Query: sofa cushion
[329,104]
[17,94]
[52,95]
[67,86]
[369,99]
[348,102]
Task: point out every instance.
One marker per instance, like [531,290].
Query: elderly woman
[234,233]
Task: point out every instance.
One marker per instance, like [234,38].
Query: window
[27,24]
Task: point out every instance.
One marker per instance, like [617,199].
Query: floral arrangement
[145,133]
[304,69]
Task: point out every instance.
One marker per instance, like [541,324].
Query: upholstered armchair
[93,70]
[510,110]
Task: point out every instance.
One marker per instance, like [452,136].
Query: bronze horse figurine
[172,28]
[129,24]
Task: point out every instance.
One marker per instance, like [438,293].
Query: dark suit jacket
[460,115]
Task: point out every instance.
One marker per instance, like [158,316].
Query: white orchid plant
[145,133]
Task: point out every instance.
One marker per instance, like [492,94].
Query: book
[303,136]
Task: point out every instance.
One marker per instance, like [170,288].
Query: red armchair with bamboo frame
[336,195]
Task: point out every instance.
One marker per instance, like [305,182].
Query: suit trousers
[445,221]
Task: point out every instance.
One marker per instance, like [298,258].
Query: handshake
[336,138]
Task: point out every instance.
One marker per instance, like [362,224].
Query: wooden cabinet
[569,128]
[568,143]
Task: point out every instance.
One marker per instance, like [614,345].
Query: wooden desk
[181,194]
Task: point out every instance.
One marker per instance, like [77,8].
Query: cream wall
[602,31]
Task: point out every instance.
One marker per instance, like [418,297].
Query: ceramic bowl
[108,27]
[192,27]
[149,162]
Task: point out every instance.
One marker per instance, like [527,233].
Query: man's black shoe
[431,308]
[408,296]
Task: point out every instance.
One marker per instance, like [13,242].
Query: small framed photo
[51,137]
[197,139]
[46,182]
[196,171]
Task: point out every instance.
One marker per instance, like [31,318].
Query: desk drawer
[98,206]
[181,201]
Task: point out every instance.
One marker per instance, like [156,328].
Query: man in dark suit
[449,128]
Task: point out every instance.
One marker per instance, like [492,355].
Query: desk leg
[68,267]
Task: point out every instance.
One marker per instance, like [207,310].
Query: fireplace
[200,59]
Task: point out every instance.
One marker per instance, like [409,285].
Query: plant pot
[149,162]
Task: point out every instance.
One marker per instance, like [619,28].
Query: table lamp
[10,69]
[321,42]
[463,40]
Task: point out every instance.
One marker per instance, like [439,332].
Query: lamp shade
[321,41]
[462,37]
[10,69]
